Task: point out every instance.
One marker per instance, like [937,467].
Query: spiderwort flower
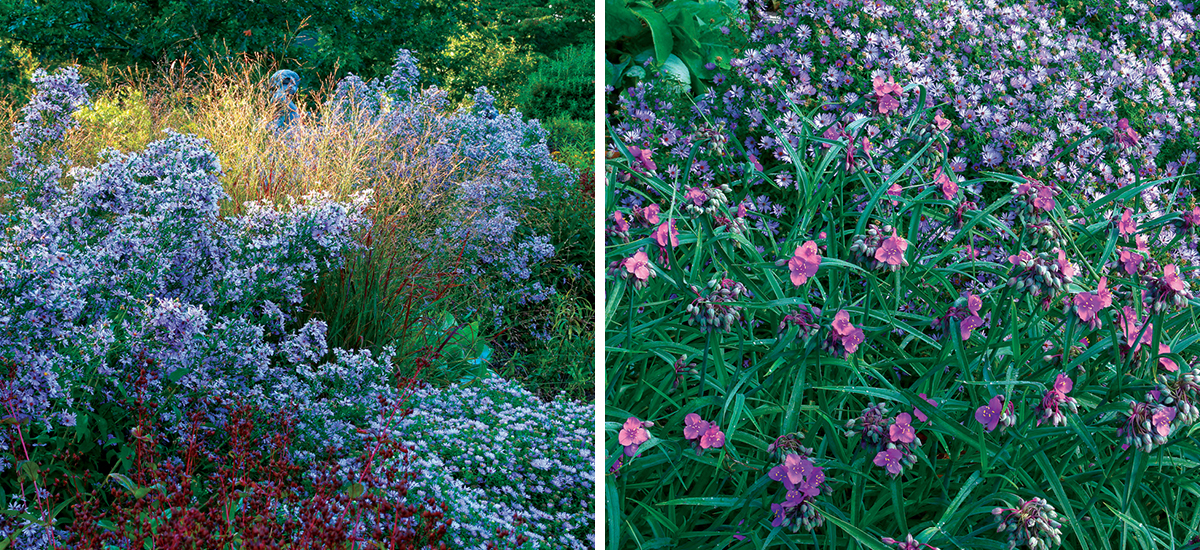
[803,482]
[844,337]
[642,156]
[694,426]
[804,263]
[996,414]
[713,438]
[1126,135]
[941,122]
[632,435]
[974,321]
[891,252]
[917,412]
[901,431]
[648,216]
[948,186]
[638,265]
[666,233]
[889,459]
[1127,226]
[1088,304]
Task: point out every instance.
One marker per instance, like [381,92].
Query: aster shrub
[899,349]
[168,379]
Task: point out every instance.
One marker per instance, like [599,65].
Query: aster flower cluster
[1033,524]
[715,308]
[803,483]
[488,168]
[502,459]
[38,162]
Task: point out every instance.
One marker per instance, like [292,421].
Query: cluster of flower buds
[1033,524]
[703,434]
[1033,197]
[1182,393]
[1149,424]
[707,199]
[877,250]
[1189,219]
[1056,400]
[909,543]
[619,228]
[804,317]
[1169,292]
[736,224]
[1044,235]
[803,482]
[716,310]
[871,425]
[636,267]
[1041,274]
[682,369]
[788,444]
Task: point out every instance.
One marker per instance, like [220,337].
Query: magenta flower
[1171,277]
[989,415]
[666,232]
[1127,226]
[1162,420]
[696,195]
[1063,384]
[901,431]
[1126,136]
[974,321]
[888,103]
[1130,326]
[632,435]
[1064,266]
[804,262]
[649,214]
[883,88]
[889,459]
[1166,362]
[694,426]
[942,122]
[949,186]
[917,412]
[638,265]
[891,252]
[849,335]
[622,226]
[1044,199]
[713,438]
[643,158]
[1088,305]
[1130,260]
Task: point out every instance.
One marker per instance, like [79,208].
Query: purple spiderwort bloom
[632,435]
[666,232]
[917,412]
[1127,226]
[638,265]
[1171,277]
[1162,421]
[989,415]
[974,321]
[889,459]
[694,426]
[891,252]
[949,187]
[804,263]
[713,438]
[1088,305]
[849,335]
[901,431]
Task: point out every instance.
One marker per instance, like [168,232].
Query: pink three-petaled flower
[804,263]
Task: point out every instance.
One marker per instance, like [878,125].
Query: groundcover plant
[166,381]
[908,275]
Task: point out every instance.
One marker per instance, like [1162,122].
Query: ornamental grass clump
[947,321]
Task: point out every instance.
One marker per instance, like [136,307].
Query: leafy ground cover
[228,335]
[908,275]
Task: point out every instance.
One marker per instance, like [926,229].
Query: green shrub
[563,87]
